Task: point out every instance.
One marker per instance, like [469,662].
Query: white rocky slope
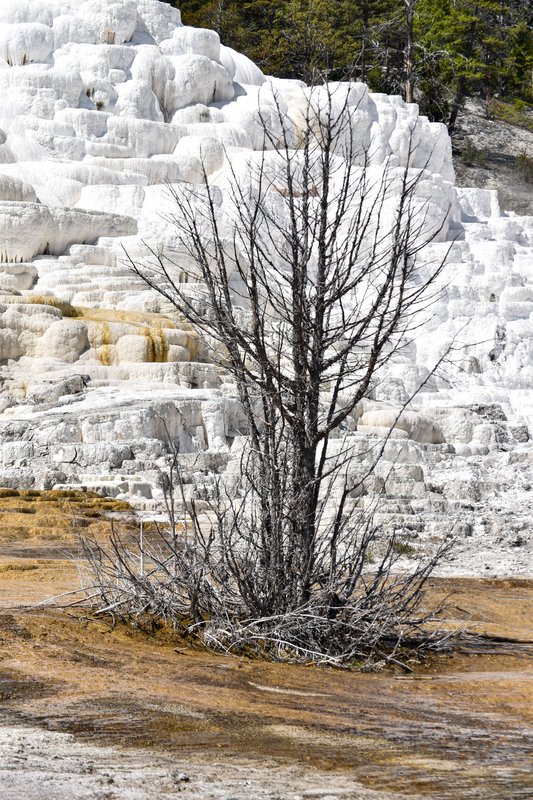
[103,103]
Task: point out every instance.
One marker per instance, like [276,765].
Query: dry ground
[89,711]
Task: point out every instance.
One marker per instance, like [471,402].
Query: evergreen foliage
[473,47]
[459,47]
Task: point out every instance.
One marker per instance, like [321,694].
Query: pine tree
[469,47]
[431,51]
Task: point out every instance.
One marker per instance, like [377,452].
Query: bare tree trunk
[365,11]
[409,59]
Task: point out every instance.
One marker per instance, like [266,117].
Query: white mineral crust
[103,103]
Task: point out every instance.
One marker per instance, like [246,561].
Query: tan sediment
[454,725]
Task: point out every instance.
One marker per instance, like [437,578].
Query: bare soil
[89,710]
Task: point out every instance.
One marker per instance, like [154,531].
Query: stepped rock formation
[103,103]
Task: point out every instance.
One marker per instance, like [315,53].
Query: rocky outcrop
[103,104]
[492,153]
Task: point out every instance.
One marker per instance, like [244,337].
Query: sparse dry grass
[521,116]
[19,566]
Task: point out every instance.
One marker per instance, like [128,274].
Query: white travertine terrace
[103,103]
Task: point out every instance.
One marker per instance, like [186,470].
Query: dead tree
[304,278]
